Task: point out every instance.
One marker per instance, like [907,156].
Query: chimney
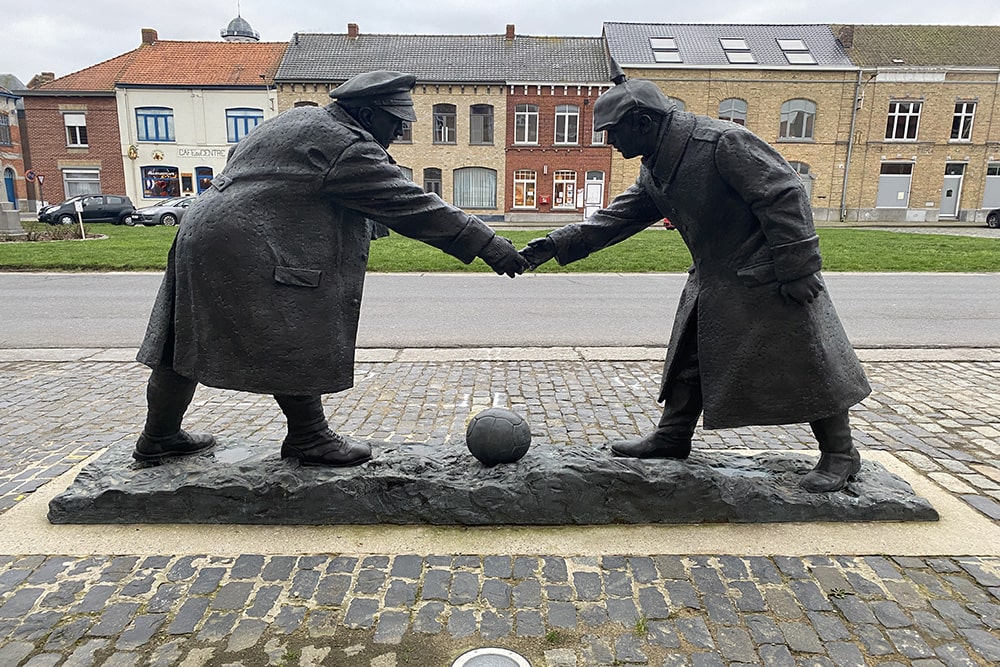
[846,36]
[352,30]
[510,32]
[41,79]
[149,36]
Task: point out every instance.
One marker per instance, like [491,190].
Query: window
[564,189]
[305,103]
[524,188]
[481,124]
[894,185]
[679,103]
[81,182]
[475,187]
[240,121]
[154,123]
[203,177]
[407,133]
[797,118]
[904,117]
[5,139]
[160,182]
[432,180]
[526,124]
[597,138]
[406,171]
[567,124]
[802,169]
[736,50]
[733,110]
[961,124]
[796,52]
[76,129]
[665,50]
[444,124]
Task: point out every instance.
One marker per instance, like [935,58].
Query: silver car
[168,212]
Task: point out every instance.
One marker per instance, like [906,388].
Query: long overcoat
[263,285]
[745,217]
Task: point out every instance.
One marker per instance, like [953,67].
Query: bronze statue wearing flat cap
[756,339]
[263,285]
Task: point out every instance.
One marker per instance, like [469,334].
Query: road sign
[41,179]
[30,175]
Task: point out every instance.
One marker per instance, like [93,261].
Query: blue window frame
[240,121]
[155,123]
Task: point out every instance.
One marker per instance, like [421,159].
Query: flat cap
[382,88]
[612,106]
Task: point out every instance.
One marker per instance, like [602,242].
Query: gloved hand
[538,251]
[502,257]
[803,290]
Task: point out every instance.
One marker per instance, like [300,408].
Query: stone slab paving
[384,609]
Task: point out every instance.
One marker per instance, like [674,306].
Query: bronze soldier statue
[756,339]
[263,285]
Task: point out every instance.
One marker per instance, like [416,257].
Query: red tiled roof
[175,63]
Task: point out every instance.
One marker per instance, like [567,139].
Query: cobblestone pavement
[556,609]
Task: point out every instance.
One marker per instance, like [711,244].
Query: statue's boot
[839,460]
[168,396]
[310,439]
[672,437]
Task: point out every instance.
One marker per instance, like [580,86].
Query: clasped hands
[504,259]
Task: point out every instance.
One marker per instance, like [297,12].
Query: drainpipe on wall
[850,149]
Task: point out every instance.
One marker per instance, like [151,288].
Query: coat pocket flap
[758,274]
[287,275]
[221,182]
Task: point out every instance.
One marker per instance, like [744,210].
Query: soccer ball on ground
[497,435]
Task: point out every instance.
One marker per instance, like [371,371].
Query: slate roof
[921,45]
[10,82]
[326,57]
[175,63]
[699,45]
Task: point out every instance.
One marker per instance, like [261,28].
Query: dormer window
[737,51]
[796,52]
[665,50]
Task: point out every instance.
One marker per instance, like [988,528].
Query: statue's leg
[310,439]
[167,398]
[672,437]
[839,459]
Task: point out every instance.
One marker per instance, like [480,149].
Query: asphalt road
[480,310]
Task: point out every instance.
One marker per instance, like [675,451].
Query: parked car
[993,218]
[168,212]
[96,208]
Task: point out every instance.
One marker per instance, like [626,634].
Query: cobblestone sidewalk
[556,609]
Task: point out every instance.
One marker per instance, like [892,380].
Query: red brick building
[74,133]
[557,167]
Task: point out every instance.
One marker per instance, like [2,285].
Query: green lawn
[653,250]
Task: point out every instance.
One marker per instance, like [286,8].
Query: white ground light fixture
[490,657]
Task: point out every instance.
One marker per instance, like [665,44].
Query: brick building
[792,85]
[463,145]
[926,140]
[12,184]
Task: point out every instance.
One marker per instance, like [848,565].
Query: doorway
[593,198]
[8,182]
[951,189]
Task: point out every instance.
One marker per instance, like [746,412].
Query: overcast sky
[64,36]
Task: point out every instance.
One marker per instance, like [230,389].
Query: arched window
[305,103]
[734,110]
[797,119]
[406,171]
[432,180]
[475,187]
[802,169]
[481,124]
[444,123]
